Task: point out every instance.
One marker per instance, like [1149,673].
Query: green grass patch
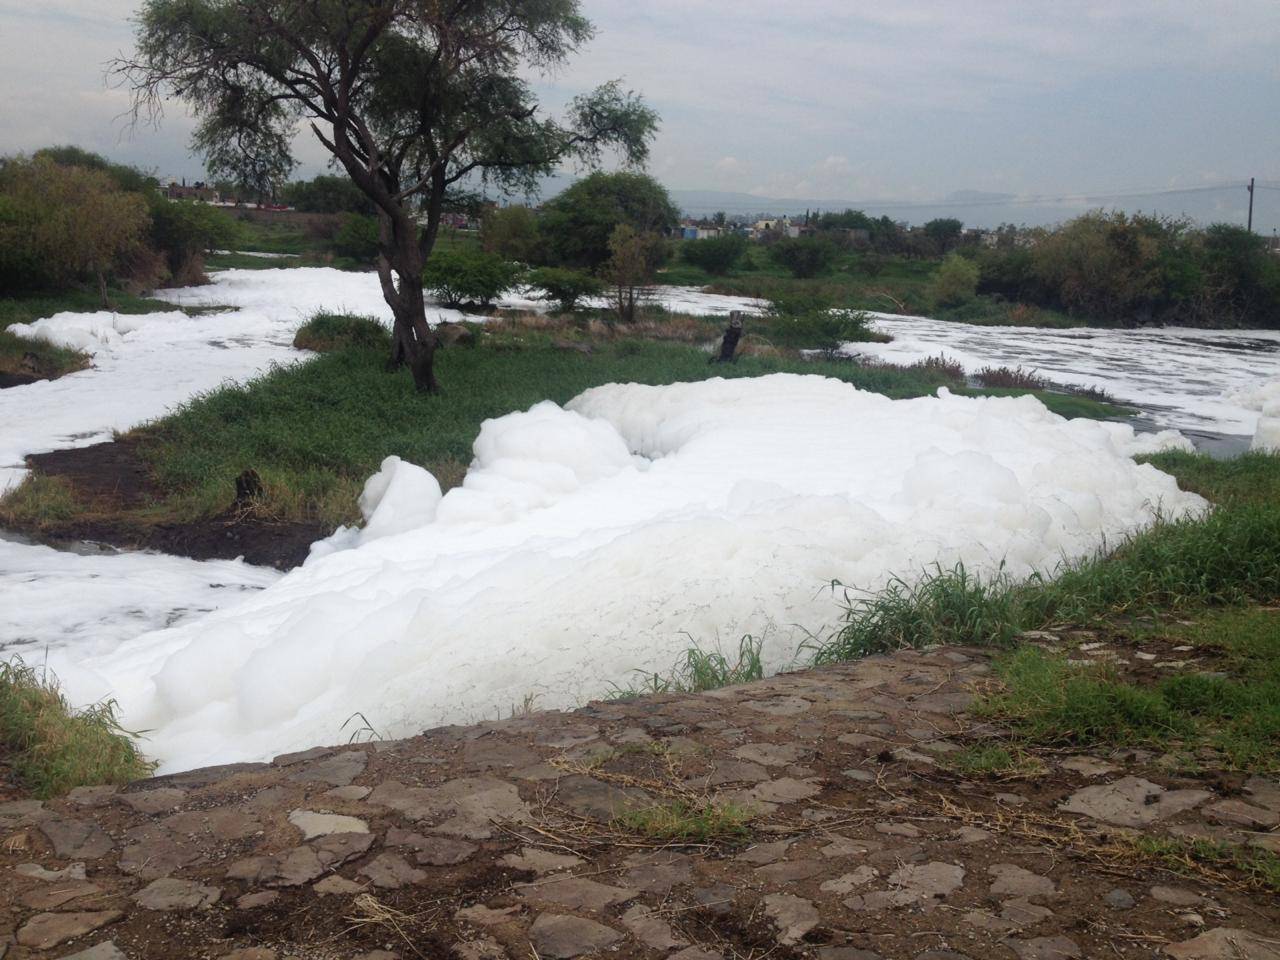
[316,430]
[326,332]
[1067,405]
[992,760]
[1233,706]
[700,670]
[40,358]
[1229,557]
[1260,868]
[39,502]
[687,821]
[54,748]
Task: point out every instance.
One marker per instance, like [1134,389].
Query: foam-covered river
[551,571]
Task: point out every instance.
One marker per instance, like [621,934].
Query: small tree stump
[729,344]
[248,487]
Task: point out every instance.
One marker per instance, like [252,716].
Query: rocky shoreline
[534,837]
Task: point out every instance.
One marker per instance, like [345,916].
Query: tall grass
[698,671]
[53,747]
[1229,556]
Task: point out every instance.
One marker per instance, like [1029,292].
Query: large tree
[414,99]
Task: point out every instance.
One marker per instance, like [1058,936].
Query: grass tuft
[1191,857]
[684,821]
[700,670]
[326,332]
[55,748]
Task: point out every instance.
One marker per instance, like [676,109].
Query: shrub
[357,238]
[565,287]
[579,223]
[335,331]
[805,257]
[955,282]
[462,276]
[811,323]
[327,194]
[716,255]
[61,225]
[512,233]
[183,232]
[1011,378]
[54,748]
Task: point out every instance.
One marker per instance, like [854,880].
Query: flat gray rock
[1009,879]
[314,824]
[107,950]
[563,938]
[151,802]
[46,930]
[1237,813]
[772,754]
[928,881]
[651,930]
[1045,948]
[77,839]
[1131,802]
[337,771]
[1226,943]
[432,851]
[169,893]
[390,871]
[576,893]
[793,916]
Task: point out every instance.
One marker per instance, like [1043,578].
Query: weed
[993,760]
[700,670]
[1260,868]
[55,748]
[1011,377]
[40,502]
[687,821]
[326,332]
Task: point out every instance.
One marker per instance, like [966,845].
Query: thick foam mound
[1266,400]
[607,537]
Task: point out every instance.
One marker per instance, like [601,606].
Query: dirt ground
[819,818]
[115,485]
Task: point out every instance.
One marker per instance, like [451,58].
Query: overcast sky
[823,99]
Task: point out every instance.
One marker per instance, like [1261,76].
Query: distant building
[199,190]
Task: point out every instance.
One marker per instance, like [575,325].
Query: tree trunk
[400,263]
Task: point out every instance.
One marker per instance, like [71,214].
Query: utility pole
[1251,181]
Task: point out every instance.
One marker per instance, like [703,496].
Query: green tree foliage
[357,238]
[805,257]
[512,233]
[810,321]
[462,276]
[180,233]
[565,287]
[61,225]
[716,255]
[327,194]
[945,233]
[414,101]
[634,258]
[955,282]
[580,222]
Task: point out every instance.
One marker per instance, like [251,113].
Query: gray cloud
[829,99]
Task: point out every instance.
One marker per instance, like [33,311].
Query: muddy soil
[115,484]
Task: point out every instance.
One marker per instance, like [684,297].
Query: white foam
[591,541]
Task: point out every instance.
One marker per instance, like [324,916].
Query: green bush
[326,332]
[807,322]
[512,233]
[466,276]
[565,287]
[327,194]
[54,748]
[716,255]
[805,257]
[357,238]
[183,232]
[955,282]
[579,223]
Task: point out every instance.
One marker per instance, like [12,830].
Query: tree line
[71,217]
